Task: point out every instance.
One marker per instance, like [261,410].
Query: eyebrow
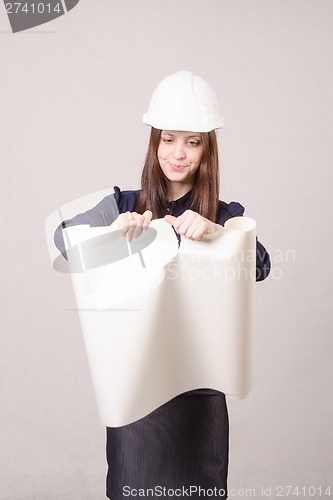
[197,136]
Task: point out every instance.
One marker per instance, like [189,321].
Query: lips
[178,168]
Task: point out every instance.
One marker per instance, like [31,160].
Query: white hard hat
[183,101]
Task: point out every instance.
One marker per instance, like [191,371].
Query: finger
[184,221]
[133,223]
[190,231]
[129,225]
[199,232]
[139,221]
[187,225]
[147,217]
[205,227]
[128,217]
[122,223]
[170,219]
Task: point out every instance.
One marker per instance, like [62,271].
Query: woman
[182,446]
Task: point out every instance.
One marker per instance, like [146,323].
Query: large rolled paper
[160,319]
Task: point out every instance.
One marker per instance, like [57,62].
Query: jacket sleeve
[263,263]
[103,214]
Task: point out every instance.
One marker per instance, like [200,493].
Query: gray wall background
[72,96]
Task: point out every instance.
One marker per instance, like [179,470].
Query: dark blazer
[108,209]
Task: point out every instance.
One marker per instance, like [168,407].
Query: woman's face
[180,155]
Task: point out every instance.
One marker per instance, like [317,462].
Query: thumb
[170,219]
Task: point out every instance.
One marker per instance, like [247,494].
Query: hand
[132,223]
[192,225]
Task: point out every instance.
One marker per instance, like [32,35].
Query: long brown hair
[205,191]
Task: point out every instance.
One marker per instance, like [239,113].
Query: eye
[194,143]
[167,140]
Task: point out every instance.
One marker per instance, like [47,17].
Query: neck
[176,191]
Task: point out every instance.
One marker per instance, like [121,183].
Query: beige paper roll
[162,321]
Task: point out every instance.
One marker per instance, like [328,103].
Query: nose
[179,151]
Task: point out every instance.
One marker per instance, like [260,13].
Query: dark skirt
[182,444]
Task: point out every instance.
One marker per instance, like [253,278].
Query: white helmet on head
[183,101]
